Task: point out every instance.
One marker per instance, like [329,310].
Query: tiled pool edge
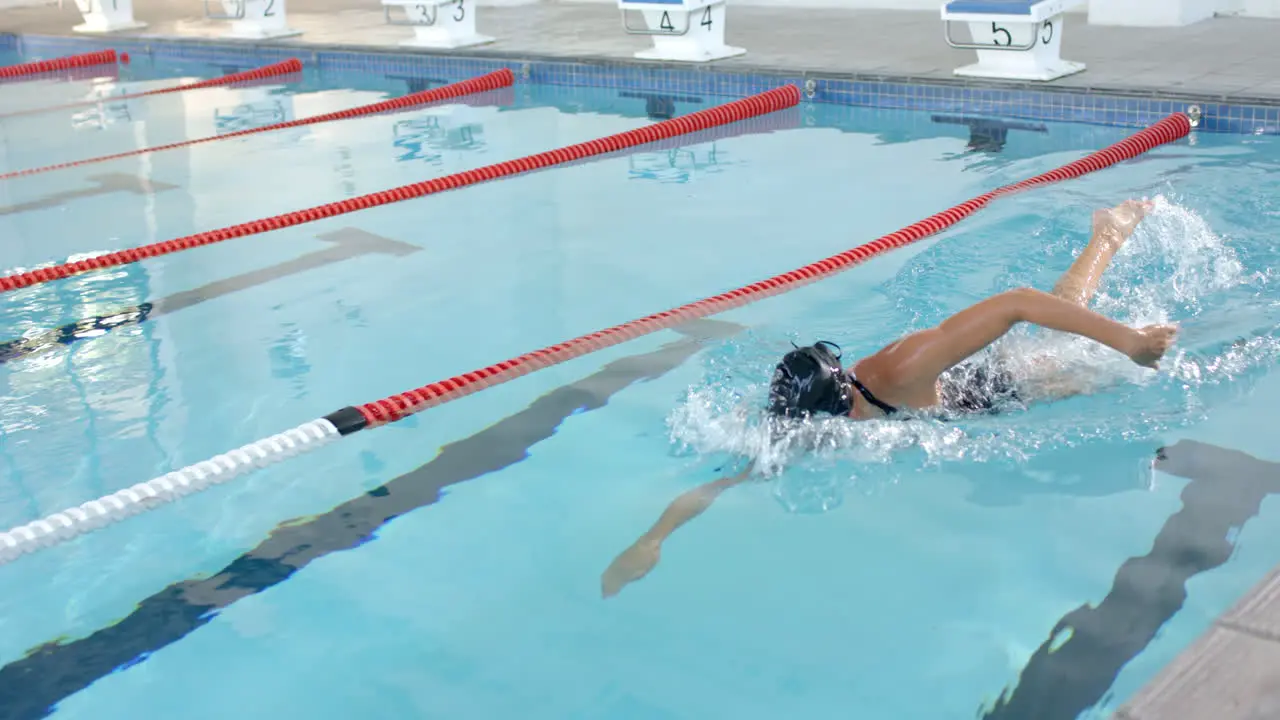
[1230,672]
[1113,106]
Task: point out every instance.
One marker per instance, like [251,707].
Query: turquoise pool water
[901,557]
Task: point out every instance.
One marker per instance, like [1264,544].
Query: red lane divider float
[88,72]
[398,406]
[776,99]
[291,66]
[39,67]
[70,523]
[484,83]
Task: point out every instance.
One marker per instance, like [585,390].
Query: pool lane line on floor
[32,70]
[73,522]
[345,244]
[103,184]
[287,71]
[31,686]
[1066,677]
[766,102]
[483,83]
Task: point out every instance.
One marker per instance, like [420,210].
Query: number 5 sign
[1013,46]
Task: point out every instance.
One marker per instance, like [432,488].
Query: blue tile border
[1091,105]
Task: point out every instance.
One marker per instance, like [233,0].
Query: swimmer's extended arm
[636,561]
[923,356]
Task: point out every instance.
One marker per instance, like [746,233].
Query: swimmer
[932,370]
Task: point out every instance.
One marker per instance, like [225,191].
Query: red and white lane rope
[71,523]
[776,99]
[484,83]
[292,66]
[41,67]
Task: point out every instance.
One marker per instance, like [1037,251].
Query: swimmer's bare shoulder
[637,560]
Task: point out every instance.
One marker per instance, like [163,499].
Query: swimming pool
[907,556]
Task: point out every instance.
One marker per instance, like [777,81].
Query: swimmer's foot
[1116,224]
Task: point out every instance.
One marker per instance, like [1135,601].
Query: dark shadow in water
[418,84]
[102,184]
[32,686]
[1075,667]
[661,106]
[987,134]
[229,69]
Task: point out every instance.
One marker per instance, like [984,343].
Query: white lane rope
[69,524]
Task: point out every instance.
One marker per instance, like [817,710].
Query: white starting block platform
[437,24]
[106,16]
[253,19]
[1015,39]
[682,30]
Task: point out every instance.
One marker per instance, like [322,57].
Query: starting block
[682,30]
[1015,39]
[106,16]
[438,24]
[253,19]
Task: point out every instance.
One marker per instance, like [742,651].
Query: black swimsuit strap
[887,408]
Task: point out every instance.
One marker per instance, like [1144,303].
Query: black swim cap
[810,380]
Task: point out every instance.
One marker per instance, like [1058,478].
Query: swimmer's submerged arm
[636,561]
[690,505]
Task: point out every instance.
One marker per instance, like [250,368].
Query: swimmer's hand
[1148,344]
[634,563]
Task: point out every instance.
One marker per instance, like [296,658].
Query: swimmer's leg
[1111,228]
[1045,380]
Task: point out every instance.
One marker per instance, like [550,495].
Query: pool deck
[1225,59]
[1233,671]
